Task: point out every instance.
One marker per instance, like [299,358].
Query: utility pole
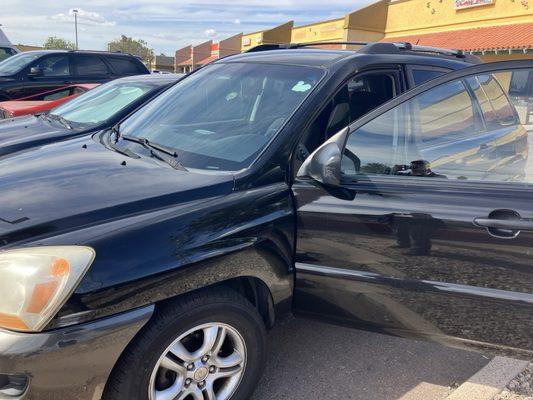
[75,12]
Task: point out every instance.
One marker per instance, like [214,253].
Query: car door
[55,71]
[428,230]
[90,68]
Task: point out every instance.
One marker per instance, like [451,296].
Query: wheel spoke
[179,350]
[227,372]
[210,338]
[233,360]
[196,394]
[168,394]
[209,391]
[169,363]
[219,341]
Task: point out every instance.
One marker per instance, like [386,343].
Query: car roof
[97,52]
[372,53]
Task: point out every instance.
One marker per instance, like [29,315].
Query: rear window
[124,65]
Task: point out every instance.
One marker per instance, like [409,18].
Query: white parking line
[490,380]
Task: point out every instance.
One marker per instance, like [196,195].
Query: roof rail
[376,48]
[285,46]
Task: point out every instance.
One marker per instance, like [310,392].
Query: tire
[236,320]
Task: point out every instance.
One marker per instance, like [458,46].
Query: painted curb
[490,380]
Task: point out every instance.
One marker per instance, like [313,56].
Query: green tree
[132,46]
[56,43]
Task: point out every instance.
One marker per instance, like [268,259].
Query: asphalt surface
[310,360]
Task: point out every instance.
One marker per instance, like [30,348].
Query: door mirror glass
[36,71]
[324,164]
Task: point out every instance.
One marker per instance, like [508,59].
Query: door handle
[517,225]
[505,224]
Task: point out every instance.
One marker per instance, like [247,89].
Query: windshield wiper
[61,120]
[123,151]
[163,153]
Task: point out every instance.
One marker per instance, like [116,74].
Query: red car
[43,101]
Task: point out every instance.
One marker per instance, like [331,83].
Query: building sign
[461,4]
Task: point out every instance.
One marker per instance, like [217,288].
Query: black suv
[148,261]
[34,72]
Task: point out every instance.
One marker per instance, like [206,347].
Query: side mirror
[324,164]
[36,71]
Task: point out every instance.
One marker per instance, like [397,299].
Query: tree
[132,46]
[55,43]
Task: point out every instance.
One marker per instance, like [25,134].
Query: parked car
[147,261]
[6,48]
[42,102]
[95,110]
[33,72]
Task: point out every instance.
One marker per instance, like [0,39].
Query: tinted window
[494,104]
[440,134]
[16,63]
[445,111]
[423,75]
[54,66]
[90,66]
[223,115]
[521,82]
[124,66]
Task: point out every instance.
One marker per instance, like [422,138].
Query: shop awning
[492,38]
[186,63]
[207,60]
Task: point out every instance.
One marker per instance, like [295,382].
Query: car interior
[358,97]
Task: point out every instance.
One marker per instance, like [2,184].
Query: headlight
[36,281]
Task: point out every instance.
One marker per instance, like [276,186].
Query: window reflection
[468,129]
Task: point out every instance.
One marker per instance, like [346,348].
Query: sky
[166,25]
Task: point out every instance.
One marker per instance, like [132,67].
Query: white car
[6,48]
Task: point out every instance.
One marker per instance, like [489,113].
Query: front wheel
[208,346]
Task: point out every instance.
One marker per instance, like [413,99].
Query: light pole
[75,12]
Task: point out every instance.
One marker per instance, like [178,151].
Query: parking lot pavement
[310,360]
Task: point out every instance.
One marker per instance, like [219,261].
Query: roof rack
[376,48]
[285,46]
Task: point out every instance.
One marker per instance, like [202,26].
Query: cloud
[210,33]
[84,18]
[165,24]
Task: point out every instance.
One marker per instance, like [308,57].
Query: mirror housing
[36,71]
[324,164]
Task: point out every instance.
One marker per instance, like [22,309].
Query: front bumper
[72,362]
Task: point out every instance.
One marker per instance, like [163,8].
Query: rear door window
[90,66]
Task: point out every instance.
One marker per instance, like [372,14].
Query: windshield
[6,52]
[222,116]
[14,64]
[99,104]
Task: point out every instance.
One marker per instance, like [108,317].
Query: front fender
[150,258]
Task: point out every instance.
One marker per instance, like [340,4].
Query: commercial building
[492,29]
[162,63]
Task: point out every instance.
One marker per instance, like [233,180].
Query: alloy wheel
[205,363]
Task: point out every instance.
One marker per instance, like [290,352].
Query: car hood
[17,105]
[23,132]
[77,183]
